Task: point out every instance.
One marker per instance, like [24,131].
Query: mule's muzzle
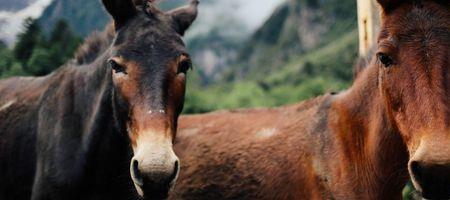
[431,179]
[154,181]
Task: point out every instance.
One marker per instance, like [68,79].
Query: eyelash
[385,59]
[184,66]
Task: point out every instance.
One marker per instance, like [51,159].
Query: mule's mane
[94,45]
[362,63]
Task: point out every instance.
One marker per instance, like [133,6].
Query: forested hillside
[37,54]
[306,48]
[296,27]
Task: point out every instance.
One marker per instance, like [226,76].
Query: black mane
[94,45]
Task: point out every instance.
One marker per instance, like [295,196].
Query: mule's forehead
[420,32]
[426,22]
[149,36]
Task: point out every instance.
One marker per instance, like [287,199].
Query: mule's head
[413,58]
[148,63]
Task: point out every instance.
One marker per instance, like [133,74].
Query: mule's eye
[385,59]
[184,66]
[116,67]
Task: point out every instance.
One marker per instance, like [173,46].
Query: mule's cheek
[396,110]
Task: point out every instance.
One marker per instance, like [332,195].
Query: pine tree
[54,52]
[41,62]
[63,42]
[6,58]
[27,40]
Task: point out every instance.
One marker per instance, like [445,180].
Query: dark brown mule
[78,132]
[359,144]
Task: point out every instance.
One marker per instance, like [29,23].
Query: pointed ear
[120,10]
[183,17]
[388,5]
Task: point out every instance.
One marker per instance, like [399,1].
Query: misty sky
[249,13]
[233,16]
[11,22]
[255,12]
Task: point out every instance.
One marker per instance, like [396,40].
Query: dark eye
[184,66]
[116,67]
[385,59]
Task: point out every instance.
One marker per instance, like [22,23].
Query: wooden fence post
[369,25]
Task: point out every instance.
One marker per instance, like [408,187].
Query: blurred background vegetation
[304,48]
[36,54]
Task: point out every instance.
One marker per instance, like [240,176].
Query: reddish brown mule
[104,123]
[359,144]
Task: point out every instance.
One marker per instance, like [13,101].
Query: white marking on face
[266,132]
[156,111]
[155,154]
[154,151]
[7,105]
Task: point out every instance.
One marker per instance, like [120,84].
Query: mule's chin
[153,193]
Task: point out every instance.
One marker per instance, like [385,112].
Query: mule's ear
[389,5]
[183,17]
[120,10]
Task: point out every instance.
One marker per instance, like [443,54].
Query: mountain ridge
[295,28]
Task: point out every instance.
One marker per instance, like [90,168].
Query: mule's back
[246,154]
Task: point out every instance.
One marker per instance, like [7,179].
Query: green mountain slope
[295,28]
[306,48]
[327,69]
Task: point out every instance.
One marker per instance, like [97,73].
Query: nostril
[416,170]
[135,173]
[175,171]
[432,179]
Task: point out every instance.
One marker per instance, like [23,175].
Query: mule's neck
[372,156]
